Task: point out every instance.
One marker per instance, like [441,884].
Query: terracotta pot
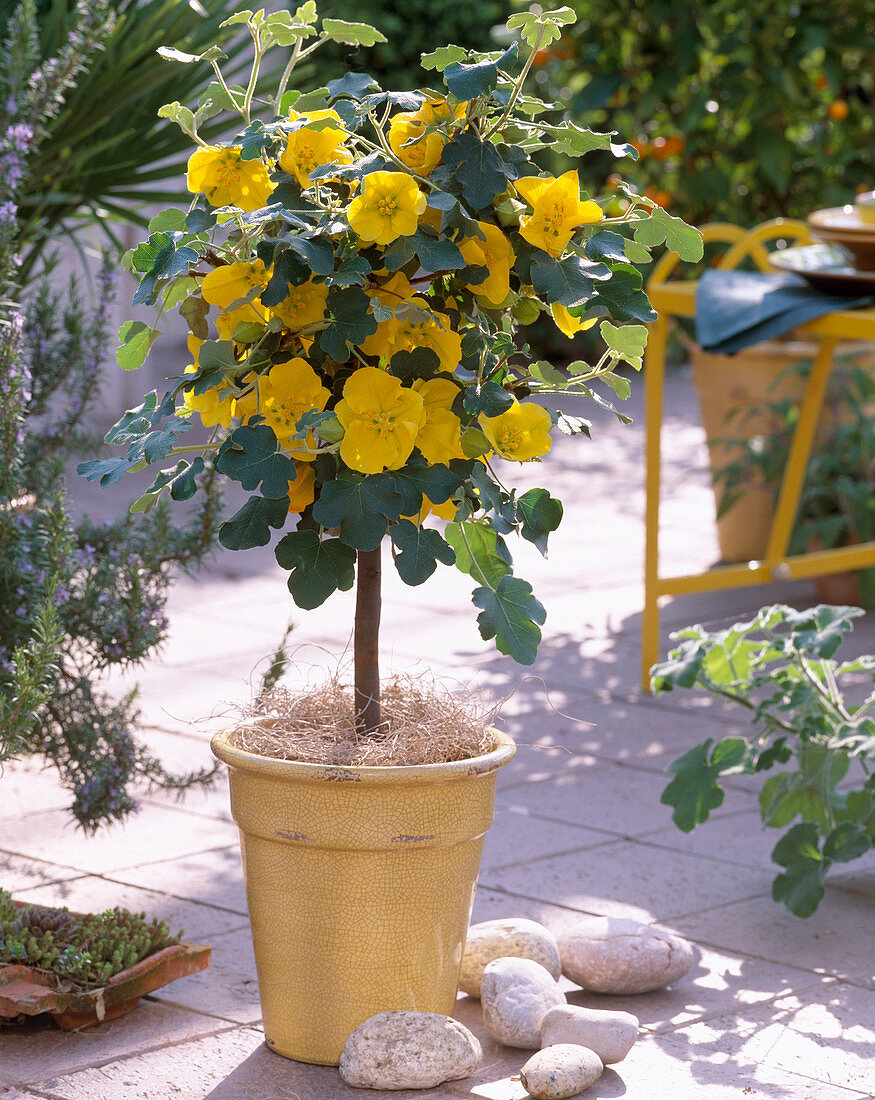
[360,883]
[754,377]
[26,991]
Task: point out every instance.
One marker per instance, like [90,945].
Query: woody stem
[366,645]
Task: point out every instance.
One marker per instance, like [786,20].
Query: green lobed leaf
[419,551]
[570,282]
[349,322]
[541,28]
[846,841]
[694,791]
[253,456]
[480,551]
[319,567]
[800,886]
[351,34]
[361,509]
[158,258]
[443,56]
[417,479]
[541,514]
[467,82]
[136,339]
[622,297]
[489,399]
[626,344]
[250,526]
[663,228]
[511,614]
[195,312]
[479,167]
[418,363]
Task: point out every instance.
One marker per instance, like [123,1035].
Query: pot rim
[224,750]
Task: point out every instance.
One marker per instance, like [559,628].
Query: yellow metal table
[674,299]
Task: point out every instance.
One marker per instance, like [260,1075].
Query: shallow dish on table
[842,225]
[827,267]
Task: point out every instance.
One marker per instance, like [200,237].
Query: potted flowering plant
[353,270]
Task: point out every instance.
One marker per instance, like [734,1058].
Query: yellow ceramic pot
[360,883]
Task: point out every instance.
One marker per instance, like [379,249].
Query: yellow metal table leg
[654,372]
[800,452]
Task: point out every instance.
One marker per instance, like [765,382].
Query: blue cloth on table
[735,309]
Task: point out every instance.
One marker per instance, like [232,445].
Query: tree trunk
[367,641]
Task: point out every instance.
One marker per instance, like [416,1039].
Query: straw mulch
[421,725]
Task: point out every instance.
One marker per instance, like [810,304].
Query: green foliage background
[413,27]
[747,87]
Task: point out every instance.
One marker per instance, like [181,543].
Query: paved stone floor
[775,1007]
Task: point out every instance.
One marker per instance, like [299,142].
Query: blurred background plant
[103,152]
[409,27]
[78,600]
[763,109]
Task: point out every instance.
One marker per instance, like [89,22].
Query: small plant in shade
[354,267]
[779,668]
[83,950]
[837,504]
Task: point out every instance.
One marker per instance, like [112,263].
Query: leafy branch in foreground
[779,667]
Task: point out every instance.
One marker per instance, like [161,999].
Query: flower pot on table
[360,883]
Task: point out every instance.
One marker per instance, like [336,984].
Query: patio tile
[829,1035]
[154,833]
[38,1053]
[233,1065]
[91,894]
[228,988]
[518,837]
[737,838]
[21,873]
[214,878]
[831,941]
[28,787]
[664,885]
[590,797]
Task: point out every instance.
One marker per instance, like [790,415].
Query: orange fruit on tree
[838,110]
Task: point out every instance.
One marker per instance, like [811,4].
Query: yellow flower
[220,173]
[520,433]
[387,208]
[308,149]
[389,294]
[209,406]
[302,491]
[228,284]
[495,253]
[285,393]
[556,211]
[439,437]
[381,420]
[423,155]
[422,327]
[567,323]
[305,305]
[435,111]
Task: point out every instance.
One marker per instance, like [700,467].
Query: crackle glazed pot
[360,883]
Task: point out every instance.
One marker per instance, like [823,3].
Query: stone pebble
[408,1050]
[616,955]
[560,1071]
[515,995]
[511,936]
[610,1034]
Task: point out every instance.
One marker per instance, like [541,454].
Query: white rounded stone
[610,1034]
[615,955]
[408,1050]
[515,995]
[507,937]
[557,1072]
